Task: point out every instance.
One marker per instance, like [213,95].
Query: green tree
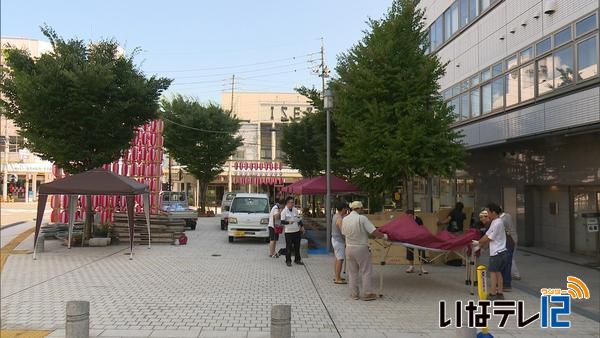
[78,105]
[304,140]
[393,123]
[200,137]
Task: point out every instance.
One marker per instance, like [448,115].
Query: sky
[270,45]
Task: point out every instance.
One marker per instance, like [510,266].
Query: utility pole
[232,86]
[328,154]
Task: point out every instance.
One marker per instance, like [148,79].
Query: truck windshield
[250,205]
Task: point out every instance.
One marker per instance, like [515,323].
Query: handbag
[279,229]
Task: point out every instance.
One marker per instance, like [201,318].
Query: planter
[101,241]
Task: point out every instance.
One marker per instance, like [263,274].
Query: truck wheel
[230,239]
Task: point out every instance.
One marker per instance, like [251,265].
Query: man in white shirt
[290,218]
[356,228]
[496,238]
[274,221]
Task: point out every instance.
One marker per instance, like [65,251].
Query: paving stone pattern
[187,291]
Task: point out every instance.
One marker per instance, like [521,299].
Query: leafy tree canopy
[78,105]
[392,121]
[199,136]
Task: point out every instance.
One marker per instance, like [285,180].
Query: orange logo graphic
[577,288]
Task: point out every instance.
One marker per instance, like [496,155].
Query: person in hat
[337,240]
[357,228]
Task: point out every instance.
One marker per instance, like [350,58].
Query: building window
[511,62]
[512,88]
[562,37]
[527,82]
[265,141]
[456,90]
[239,154]
[15,143]
[545,75]
[586,25]
[475,109]
[475,80]
[498,93]
[446,94]
[451,21]
[484,4]
[486,98]
[587,58]
[437,33]
[464,106]
[497,69]
[543,46]
[563,66]
[454,105]
[526,55]
[279,154]
[486,74]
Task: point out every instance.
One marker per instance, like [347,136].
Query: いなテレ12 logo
[555,303]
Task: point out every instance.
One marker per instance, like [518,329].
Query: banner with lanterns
[267,173]
[142,162]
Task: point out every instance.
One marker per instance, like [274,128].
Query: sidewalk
[212,288]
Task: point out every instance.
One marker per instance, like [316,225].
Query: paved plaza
[211,288]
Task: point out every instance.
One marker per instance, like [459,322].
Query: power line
[243,78]
[244,71]
[237,66]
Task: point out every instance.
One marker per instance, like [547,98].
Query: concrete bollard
[281,325]
[304,248]
[78,319]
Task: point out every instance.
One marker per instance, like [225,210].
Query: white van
[225,205]
[249,216]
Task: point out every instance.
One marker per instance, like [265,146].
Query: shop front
[19,181]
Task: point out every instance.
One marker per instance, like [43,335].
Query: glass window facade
[545,75]
[587,58]
[498,93]
[586,25]
[527,82]
[556,61]
[511,62]
[526,55]
[562,37]
[563,67]
[486,98]
[437,33]
[475,108]
[451,21]
[543,46]
[464,106]
[512,88]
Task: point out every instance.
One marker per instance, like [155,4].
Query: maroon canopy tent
[290,188]
[93,182]
[318,186]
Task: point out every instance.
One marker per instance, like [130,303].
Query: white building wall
[484,36]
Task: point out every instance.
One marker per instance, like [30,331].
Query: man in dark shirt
[410,251]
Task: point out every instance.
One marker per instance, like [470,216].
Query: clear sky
[270,45]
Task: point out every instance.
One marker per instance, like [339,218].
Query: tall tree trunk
[203,188]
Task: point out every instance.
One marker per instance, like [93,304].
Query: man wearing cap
[357,228]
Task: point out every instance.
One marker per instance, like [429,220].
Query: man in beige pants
[356,228]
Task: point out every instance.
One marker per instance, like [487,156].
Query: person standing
[510,246]
[456,218]
[357,228]
[337,241]
[274,224]
[290,218]
[496,238]
[410,252]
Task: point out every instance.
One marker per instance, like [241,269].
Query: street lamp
[328,105]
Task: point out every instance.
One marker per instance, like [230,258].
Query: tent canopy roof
[318,186]
[94,182]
